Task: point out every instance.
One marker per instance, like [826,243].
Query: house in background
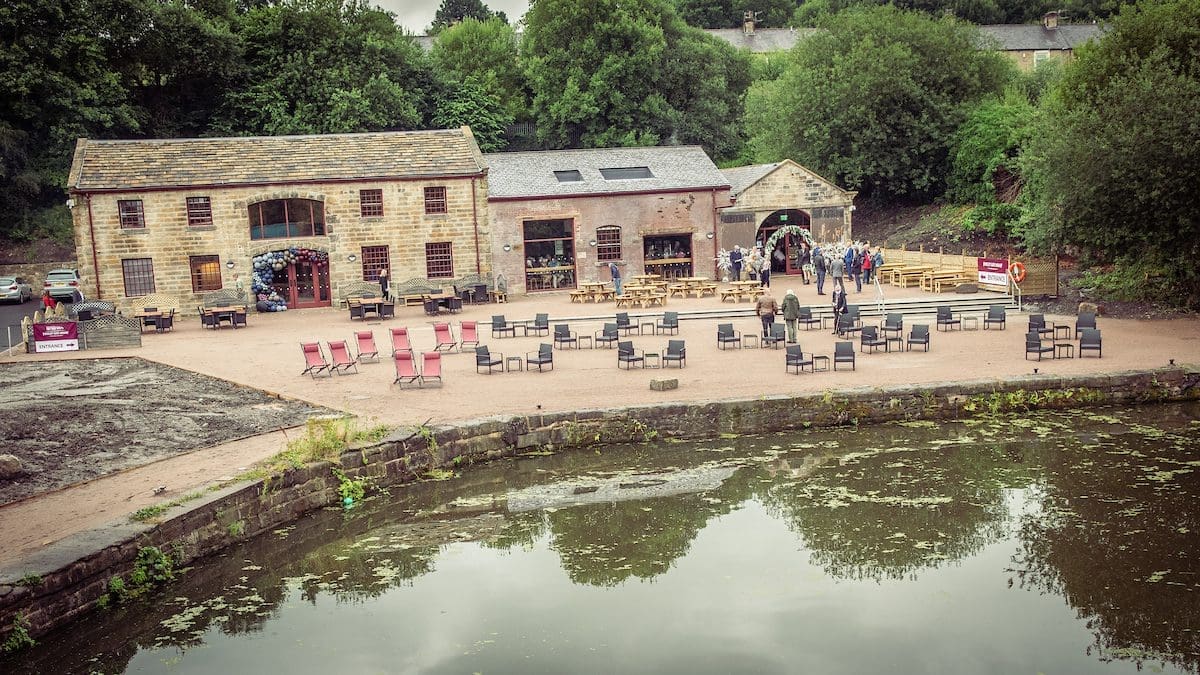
[559,217]
[181,216]
[770,196]
[1030,45]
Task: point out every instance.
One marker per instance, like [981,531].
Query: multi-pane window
[282,218]
[139,276]
[1040,56]
[370,203]
[435,199]
[130,211]
[608,243]
[439,261]
[206,273]
[374,258]
[199,212]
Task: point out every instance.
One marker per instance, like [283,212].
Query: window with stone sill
[199,212]
[131,214]
[439,260]
[139,276]
[608,243]
[205,272]
[370,203]
[435,199]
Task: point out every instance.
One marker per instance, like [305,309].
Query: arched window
[283,218]
[608,243]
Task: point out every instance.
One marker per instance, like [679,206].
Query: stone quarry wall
[63,582]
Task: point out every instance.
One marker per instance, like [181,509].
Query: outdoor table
[512,363]
[646,277]
[142,315]
[580,340]
[644,325]
[225,313]
[969,322]
[1062,331]
[372,305]
[822,359]
[750,340]
[651,360]
[1064,350]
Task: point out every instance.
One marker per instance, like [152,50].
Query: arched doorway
[299,275]
[786,254]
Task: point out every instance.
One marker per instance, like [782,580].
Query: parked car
[64,285]
[15,289]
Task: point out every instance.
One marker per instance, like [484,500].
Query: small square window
[199,212]
[439,260]
[206,272]
[130,211]
[370,203]
[435,199]
[139,276]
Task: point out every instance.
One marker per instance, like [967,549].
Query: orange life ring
[1017,270]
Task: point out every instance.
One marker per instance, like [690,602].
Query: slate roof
[514,175]
[183,162]
[762,40]
[742,177]
[1022,37]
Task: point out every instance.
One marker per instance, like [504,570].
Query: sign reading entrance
[993,271]
[56,337]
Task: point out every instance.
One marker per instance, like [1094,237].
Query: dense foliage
[874,99]
[1115,164]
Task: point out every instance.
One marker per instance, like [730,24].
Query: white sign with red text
[993,271]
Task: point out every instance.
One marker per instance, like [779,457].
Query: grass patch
[18,635]
[154,511]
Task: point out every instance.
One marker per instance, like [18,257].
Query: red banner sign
[56,337]
[993,271]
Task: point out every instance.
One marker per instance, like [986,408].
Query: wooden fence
[1041,274]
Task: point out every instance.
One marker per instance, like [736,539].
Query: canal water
[1039,543]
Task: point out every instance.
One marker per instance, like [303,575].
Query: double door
[307,285]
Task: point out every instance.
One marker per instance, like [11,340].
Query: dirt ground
[265,356]
[72,421]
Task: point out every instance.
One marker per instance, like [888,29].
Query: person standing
[791,312]
[766,308]
[764,273]
[48,301]
[239,287]
[615,272]
[856,269]
[866,265]
[806,263]
[839,303]
[383,282]
[735,263]
[837,269]
[819,267]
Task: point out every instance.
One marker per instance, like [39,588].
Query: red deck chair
[365,340]
[314,359]
[468,334]
[445,339]
[339,353]
[400,341]
[406,370]
[431,369]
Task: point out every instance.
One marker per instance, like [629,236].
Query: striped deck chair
[314,359]
[406,370]
[468,335]
[339,353]
[400,341]
[431,367]
[445,338]
[365,341]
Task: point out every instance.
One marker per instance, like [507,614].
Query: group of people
[855,261]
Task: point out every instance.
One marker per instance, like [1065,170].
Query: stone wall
[73,574]
[168,241]
[790,186]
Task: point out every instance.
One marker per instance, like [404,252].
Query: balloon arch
[268,265]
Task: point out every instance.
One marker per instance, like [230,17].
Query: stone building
[181,216]
[1030,45]
[770,196]
[559,217]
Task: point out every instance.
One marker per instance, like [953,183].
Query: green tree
[609,73]
[873,100]
[453,11]
[325,66]
[986,149]
[57,86]
[485,53]
[1115,165]
[466,103]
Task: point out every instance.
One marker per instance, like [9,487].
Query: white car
[64,285]
[15,289]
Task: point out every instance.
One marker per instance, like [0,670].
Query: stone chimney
[1050,20]
[748,22]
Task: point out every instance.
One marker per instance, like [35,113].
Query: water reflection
[996,545]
